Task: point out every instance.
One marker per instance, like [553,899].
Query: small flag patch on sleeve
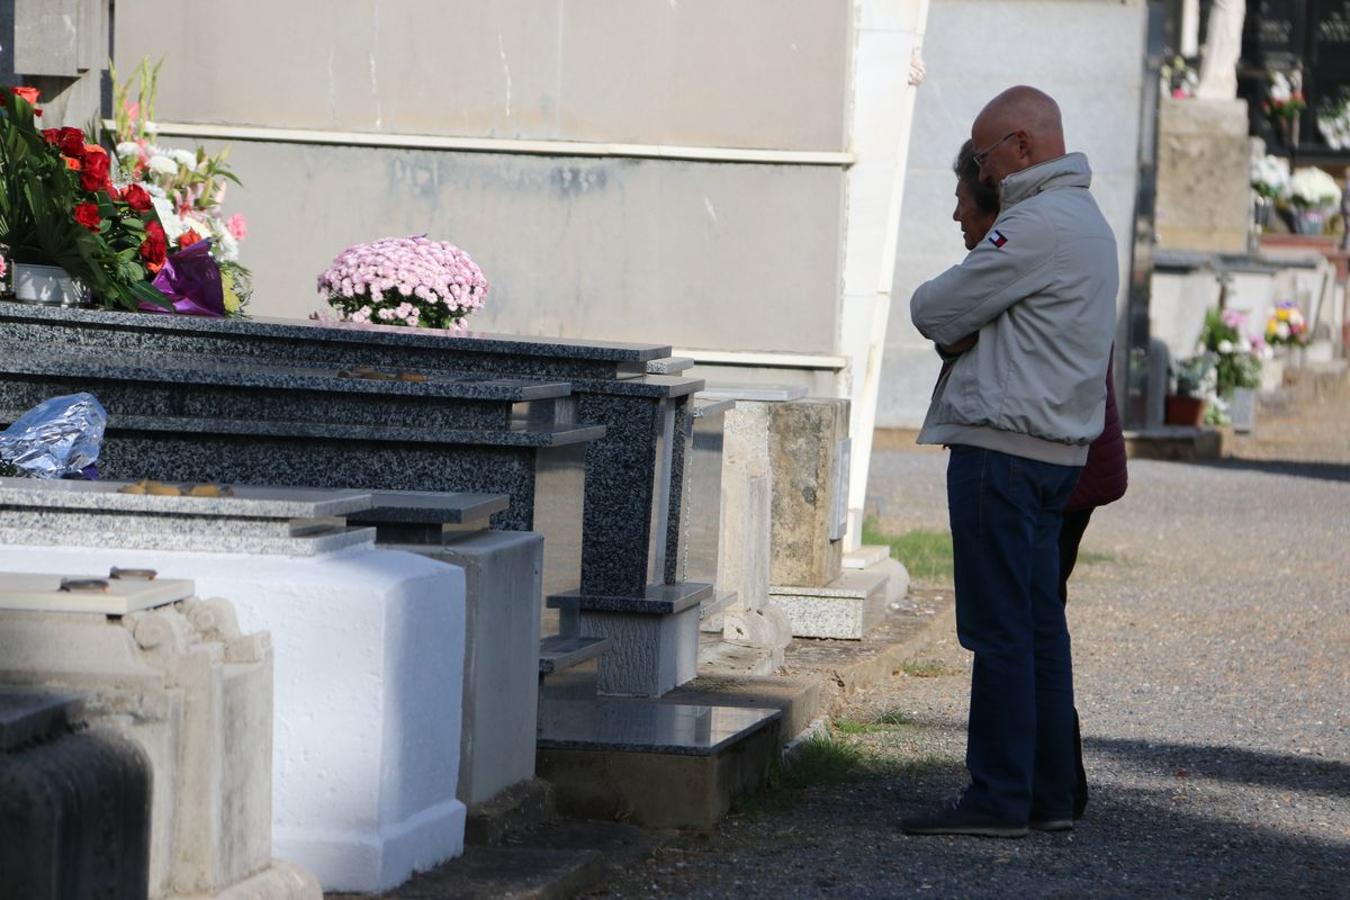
[997,238]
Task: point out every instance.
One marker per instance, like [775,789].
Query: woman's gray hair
[968,173]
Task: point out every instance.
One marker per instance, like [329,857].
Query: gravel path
[1212,650]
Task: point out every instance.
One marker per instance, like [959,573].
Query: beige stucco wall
[691,254]
[742,73]
[742,256]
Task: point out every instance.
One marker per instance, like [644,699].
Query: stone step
[846,608]
[563,651]
[654,764]
[670,365]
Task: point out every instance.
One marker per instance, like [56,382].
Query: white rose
[164,165]
[184,158]
[128,149]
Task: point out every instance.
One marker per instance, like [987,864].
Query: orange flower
[72,164]
[29,94]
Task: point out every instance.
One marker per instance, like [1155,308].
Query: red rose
[188,238]
[52,136]
[30,94]
[138,198]
[94,168]
[87,215]
[155,247]
[72,142]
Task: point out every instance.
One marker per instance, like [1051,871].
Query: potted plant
[411,281]
[1270,184]
[1192,379]
[1237,368]
[1314,196]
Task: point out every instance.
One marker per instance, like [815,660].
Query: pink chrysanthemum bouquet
[404,281]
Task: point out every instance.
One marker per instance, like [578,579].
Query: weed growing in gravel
[925,553]
[822,759]
[893,717]
[927,668]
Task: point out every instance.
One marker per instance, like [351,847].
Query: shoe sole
[995,831]
[1051,825]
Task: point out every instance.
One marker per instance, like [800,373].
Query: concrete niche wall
[737,255]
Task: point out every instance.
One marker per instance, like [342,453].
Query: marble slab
[658,600]
[329,342]
[246,501]
[639,727]
[763,392]
[671,365]
[431,507]
[24,591]
[269,521]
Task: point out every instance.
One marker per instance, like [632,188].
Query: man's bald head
[1022,128]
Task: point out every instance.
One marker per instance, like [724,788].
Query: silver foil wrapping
[56,438]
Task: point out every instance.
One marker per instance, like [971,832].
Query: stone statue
[1223,46]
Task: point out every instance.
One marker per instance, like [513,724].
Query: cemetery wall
[631,245]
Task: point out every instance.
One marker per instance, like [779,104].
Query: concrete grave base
[368,664]
[845,608]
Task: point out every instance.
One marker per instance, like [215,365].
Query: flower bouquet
[187,186]
[412,281]
[1286,326]
[1333,120]
[1237,359]
[1314,195]
[59,208]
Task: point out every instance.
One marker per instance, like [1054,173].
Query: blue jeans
[1005,518]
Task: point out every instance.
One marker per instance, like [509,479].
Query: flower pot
[47,286]
[1309,221]
[1185,411]
[1242,410]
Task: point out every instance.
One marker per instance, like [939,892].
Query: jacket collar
[1069,170]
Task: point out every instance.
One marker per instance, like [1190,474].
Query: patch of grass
[890,719]
[893,717]
[927,554]
[822,759]
[927,668]
[1094,558]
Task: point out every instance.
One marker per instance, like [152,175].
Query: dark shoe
[957,819]
[1050,824]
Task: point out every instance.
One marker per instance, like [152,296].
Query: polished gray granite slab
[562,651]
[186,368]
[430,507]
[302,330]
[643,727]
[705,406]
[246,502]
[31,715]
[654,386]
[512,437]
[763,392]
[659,599]
[671,365]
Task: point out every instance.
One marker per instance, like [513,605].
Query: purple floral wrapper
[191,280]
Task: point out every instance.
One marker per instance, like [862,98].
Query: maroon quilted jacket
[1104,476]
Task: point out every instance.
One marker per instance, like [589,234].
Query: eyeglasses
[980,157]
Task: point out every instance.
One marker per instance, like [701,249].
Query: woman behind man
[1103,479]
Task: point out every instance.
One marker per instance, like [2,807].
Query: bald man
[1018,411]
